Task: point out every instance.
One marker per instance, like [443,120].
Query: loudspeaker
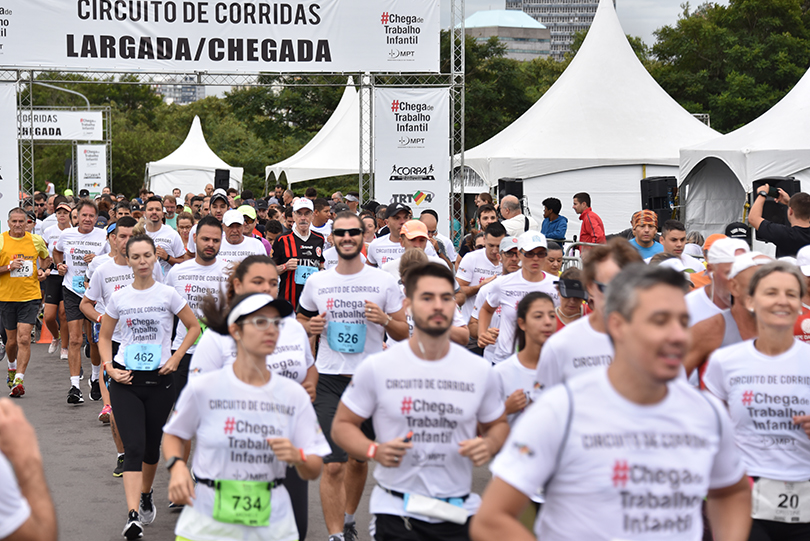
[222,179]
[510,186]
[773,211]
[658,194]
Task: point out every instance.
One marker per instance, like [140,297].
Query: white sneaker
[53,346]
[64,355]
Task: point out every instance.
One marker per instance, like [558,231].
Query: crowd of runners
[649,384]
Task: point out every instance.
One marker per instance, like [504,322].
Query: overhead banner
[59,125]
[9,165]
[91,168]
[232,36]
[412,149]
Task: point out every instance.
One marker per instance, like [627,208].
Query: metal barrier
[570,260]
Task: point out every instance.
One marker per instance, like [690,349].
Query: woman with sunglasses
[269,423]
[141,392]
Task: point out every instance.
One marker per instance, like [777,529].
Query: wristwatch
[172,461]
[762,193]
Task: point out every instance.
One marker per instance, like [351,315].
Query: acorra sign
[58,125]
[225,36]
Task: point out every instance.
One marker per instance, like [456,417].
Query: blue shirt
[555,229]
[646,253]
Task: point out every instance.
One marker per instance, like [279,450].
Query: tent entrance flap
[714,197]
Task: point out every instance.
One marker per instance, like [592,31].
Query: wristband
[303,456]
[372,450]
[390,319]
[98,320]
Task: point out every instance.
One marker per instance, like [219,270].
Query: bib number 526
[347,338]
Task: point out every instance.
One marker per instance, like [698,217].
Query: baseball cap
[803,260]
[572,289]
[248,211]
[508,243]
[261,204]
[352,198]
[674,263]
[101,222]
[737,230]
[746,261]
[64,206]
[530,240]
[340,207]
[68,192]
[256,302]
[233,217]
[303,203]
[707,244]
[413,228]
[392,210]
[219,193]
[693,249]
[724,250]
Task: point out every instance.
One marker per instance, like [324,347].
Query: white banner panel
[58,125]
[222,36]
[412,149]
[91,168]
[9,165]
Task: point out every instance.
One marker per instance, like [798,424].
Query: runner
[387,247]
[141,391]
[74,250]
[218,206]
[428,399]
[554,259]
[764,384]
[507,292]
[54,313]
[270,416]
[802,327]
[350,307]
[235,246]
[573,297]
[480,267]
[627,452]
[22,258]
[169,245]
[413,234]
[584,345]
[299,253]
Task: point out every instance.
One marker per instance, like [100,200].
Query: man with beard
[361,304]
[169,248]
[429,400]
[218,205]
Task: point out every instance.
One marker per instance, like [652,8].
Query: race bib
[78,285]
[346,337]
[302,273]
[781,501]
[450,511]
[242,502]
[142,357]
[26,271]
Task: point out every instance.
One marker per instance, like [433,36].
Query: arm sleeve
[466,269]
[492,406]
[360,396]
[548,370]
[60,244]
[713,378]
[393,297]
[279,254]
[41,246]
[14,508]
[177,246]
[185,418]
[493,296]
[599,231]
[773,232]
[371,258]
[727,467]
[111,309]
[94,291]
[306,302]
[207,356]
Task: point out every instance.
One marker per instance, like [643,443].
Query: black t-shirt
[309,253]
[788,239]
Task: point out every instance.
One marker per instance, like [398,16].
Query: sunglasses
[353,232]
[534,255]
[263,323]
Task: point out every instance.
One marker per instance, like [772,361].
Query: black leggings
[140,413]
[298,490]
[771,530]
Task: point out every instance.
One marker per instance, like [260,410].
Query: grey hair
[622,293]
[777,266]
[17,210]
[694,237]
[509,204]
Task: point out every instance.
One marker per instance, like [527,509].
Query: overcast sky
[638,17]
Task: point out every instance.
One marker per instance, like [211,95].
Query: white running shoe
[53,346]
[64,355]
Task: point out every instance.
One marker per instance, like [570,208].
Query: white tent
[715,175]
[335,149]
[602,127]
[190,167]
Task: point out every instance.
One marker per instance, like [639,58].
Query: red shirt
[801,329]
[592,230]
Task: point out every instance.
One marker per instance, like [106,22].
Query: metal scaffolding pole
[457,85]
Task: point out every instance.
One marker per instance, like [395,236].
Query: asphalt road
[80,456]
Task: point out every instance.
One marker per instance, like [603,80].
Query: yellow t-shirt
[22,284]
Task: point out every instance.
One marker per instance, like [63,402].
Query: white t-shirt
[441,402]
[330,258]
[474,269]
[250,415]
[512,376]
[700,306]
[383,249]
[191,247]
[51,236]
[168,239]
[193,282]
[692,264]
[325,230]
[342,297]
[626,471]
[507,293]
[392,267]
[147,317]
[489,351]
[74,246]
[763,393]
[235,253]
[449,249]
[291,358]
[573,350]
[14,508]
[457,321]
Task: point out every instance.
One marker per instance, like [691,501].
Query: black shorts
[72,302]
[330,389]
[53,289]
[394,528]
[180,376]
[14,313]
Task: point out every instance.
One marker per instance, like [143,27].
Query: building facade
[524,38]
[564,18]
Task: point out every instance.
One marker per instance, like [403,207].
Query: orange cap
[413,228]
[711,240]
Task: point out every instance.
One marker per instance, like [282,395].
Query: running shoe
[133,528]
[2,350]
[119,467]
[63,355]
[350,532]
[81,373]
[18,390]
[95,391]
[10,379]
[146,509]
[75,396]
[104,416]
[54,346]
[173,505]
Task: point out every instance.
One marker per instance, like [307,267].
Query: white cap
[303,203]
[746,261]
[233,216]
[803,260]
[256,302]
[530,240]
[508,243]
[724,250]
[693,249]
[673,263]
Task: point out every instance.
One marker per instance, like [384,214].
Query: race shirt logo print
[747,397]
[230,422]
[407,405]
[620,473]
